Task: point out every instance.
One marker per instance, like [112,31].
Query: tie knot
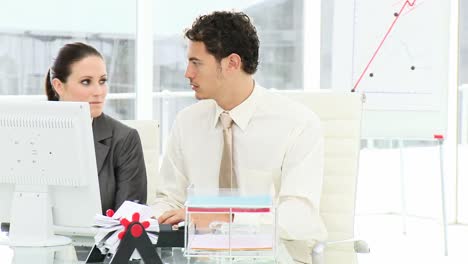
[226,120]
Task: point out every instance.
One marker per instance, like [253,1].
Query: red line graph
[407,3]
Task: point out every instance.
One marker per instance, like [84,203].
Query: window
[29,40]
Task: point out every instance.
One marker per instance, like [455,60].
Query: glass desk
[71,255]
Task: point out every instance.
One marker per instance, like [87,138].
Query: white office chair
[149,135]
[340,113]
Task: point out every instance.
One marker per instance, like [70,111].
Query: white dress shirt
[277,147]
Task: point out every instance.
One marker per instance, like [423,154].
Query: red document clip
[136,230]
[110,212]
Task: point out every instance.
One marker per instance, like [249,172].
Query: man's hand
[172,217]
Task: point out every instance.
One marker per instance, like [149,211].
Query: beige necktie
[227,178]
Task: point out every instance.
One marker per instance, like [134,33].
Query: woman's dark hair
[224,33]
[61,69]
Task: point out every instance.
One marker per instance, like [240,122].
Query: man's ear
[58,86]
[233,61]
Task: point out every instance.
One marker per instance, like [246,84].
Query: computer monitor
[48,175]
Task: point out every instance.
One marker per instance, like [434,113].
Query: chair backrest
[149,135]
[340,114]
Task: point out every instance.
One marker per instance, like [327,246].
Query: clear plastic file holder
[225,223]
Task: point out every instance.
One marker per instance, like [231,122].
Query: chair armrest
[317,253]
[360,246]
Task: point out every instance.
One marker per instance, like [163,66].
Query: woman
[79,74]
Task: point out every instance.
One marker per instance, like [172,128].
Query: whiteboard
[399,58]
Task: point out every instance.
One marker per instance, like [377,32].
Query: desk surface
[71,255]
[68,255]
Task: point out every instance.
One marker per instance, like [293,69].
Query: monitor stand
[31,223]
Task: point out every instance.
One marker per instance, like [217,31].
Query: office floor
[378,219]
[423,242]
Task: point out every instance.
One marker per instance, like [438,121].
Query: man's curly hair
[224,33]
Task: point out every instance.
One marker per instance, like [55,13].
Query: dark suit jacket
[120,163]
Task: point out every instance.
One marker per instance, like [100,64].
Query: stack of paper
[244,242]
[109,227]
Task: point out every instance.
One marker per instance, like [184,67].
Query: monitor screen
[48,175]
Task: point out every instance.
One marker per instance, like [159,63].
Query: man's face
[203,71]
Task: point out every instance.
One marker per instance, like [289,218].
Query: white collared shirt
[277,147]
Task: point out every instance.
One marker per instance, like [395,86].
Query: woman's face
[87,82]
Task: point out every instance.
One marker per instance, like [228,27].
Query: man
[264,141]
